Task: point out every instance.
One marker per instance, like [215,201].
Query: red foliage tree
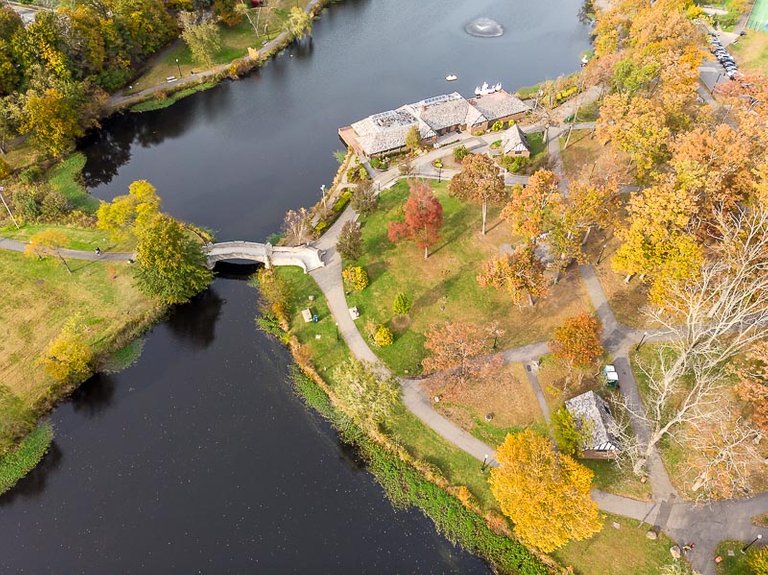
[423,218]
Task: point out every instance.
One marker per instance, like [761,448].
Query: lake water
[199,458]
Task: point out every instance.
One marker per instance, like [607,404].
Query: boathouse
[384,133]
[592,414]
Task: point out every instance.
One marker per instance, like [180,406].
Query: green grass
[17,463]
[751,51]
[124,357]
[45,296]
[444,287]
[610,478]
[84,239]
[65,178]
[732,565]
[166,101]
[617,551]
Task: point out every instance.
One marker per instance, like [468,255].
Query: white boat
[584,60]
[485,89]
[451,77]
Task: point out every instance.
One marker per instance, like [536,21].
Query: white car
[611,375]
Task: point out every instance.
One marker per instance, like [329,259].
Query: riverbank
[407,480]
[165,93]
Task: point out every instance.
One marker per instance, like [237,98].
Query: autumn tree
[126,212]
[169,263]
[202,38]
[52,118]
[423,218]
[364,198]
[455,348]
[10,75]
[355,278]
[299,23]
[227,11]
[297,227]
[350,242]
[276,293]
[709,320]
[69,356]
[532,209]
[576,342]
[751,374]
[364,394]
[520,274]
[413,140]
[656,240]
[545,494]
[638,127]
[48,242]
[479,181]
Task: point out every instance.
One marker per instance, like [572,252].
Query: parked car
[611,376]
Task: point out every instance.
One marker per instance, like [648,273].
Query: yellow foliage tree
[69,356]
[129,211]
[546,494]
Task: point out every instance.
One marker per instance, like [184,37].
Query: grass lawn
[504,392]
[583,150]
[617,551]
[23,155]
[761,520]
[327,353]
[734,561]
[751,51]
[608,552]
[444,287]
[65,177]
[44,297]
[86,239]
[235,42]
[628,301]
[611,479]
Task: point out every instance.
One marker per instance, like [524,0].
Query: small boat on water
[486,89]
[584,60]
[451,77]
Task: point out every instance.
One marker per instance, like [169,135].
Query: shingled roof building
[514,142]
[385,133]
[591,410]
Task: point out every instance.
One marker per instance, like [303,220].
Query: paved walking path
[683,521]
[16,246]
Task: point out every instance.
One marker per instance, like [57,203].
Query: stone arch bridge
[306,257]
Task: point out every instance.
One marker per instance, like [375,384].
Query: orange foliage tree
[577,342]
[423,218]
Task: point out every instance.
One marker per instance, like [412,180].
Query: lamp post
[178,66]
[755,540]
[642,339]
[484,466]
[439,171]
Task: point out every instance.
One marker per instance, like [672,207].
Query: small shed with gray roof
[592,414]
[514,143]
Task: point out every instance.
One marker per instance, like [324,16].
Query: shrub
[460,153]
[402,304]
[320,227]
[342,202]
[438,163]
[511,123]
[498,126]
[5,169]
[757,560]
[54,205]
[514,164]
[379,164]
[355,278]
[383,336]
[495,145]
[567,436]
[31,174]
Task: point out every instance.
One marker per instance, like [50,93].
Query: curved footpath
[706,525]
